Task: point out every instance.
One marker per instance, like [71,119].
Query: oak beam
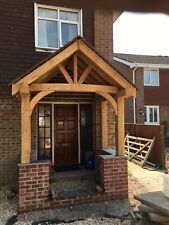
[104,66]
[46,67]
[65,74]
[109,98]
[85,74]
[104,124]
[120,126]
[75,68]
[25,128]
[37,98]
[73,88]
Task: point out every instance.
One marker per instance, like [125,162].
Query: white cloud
[141,33]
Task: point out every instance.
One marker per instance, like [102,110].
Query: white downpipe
[134,98]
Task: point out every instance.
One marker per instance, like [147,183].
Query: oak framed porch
[76,68]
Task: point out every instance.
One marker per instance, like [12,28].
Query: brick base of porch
[34,185]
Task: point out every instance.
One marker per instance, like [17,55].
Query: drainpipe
[134,98]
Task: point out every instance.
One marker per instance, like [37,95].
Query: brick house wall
[129,108]
[18,54]
[159,95]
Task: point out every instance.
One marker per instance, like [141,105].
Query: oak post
[104,124]
[25,125]
[120,126]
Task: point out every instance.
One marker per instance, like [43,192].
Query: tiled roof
[143,59]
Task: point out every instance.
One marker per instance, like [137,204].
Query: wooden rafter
[75,68]
[109,98]
[47,66]
[85,74]
[65,74]
[73,88]
[105,67]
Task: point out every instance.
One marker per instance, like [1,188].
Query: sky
[141,33]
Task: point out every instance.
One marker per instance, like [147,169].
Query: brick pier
[33,186]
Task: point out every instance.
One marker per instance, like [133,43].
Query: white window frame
[79,24]
[148,107]
[150,70]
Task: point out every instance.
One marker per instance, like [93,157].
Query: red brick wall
[114,175]
[9,139]
[103,32]
[33,186]
[158,95]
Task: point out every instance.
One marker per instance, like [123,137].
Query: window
[151,114]
[44,132]
[54,27]
[151,77]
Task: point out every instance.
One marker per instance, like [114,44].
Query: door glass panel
[45,138]
[41,132]
[47,132]
[41,121]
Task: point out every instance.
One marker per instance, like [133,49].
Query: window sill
[46,50]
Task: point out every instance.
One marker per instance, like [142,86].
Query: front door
[66,135]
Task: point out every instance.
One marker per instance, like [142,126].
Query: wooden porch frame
[115,94]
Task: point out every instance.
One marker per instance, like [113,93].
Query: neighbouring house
[150,74]
[68,99]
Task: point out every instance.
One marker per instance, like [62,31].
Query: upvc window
[55,26]
[151,115]
[151,77]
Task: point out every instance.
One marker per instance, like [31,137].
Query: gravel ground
[114,212]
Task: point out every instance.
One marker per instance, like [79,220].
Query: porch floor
[73,183]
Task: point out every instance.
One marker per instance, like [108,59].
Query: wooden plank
[72,88]
[155,200]
[109,98]
[140,138]
[25,128]
[104,124]
[155,217]
[75,68]
[120,126]
[65,74]
[46,67]
[106,68]
[85,74]
[148,153]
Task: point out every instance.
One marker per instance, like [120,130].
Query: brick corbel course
[33,186]
[114,175]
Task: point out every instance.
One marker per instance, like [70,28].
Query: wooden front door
[66,135]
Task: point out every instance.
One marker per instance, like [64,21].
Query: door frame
[53,103]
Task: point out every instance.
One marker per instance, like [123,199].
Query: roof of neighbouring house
[142,59]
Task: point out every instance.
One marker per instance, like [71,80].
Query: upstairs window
[151,115]
[54,27]
[151,77]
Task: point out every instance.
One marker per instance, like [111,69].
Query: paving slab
[155,200]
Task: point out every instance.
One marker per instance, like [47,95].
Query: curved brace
[37,98]
[109,98]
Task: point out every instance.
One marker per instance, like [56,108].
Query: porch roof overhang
[75,68]
[100,70]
